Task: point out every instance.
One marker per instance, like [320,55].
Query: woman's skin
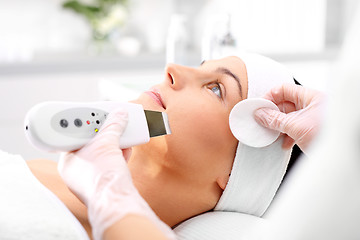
[182,174]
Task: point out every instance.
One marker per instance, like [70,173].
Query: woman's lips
[156,97]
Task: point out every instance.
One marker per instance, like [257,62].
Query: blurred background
[87,50]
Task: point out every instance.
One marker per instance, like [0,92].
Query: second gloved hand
[99,176]
[301,115]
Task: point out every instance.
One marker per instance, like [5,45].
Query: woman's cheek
[205,126]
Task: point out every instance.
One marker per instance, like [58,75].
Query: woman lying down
[198,168]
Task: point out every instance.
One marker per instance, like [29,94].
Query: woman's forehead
[233,63]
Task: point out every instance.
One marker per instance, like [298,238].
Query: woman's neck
[169,195]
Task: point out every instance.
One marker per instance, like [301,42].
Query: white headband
[257,172]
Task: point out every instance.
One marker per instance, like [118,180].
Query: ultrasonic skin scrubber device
[67,126]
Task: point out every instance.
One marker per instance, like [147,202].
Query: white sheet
[28,210]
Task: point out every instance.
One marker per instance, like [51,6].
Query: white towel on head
[257,172]
[255,178]
[264,74]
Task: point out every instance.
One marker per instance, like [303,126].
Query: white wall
[34,27]
[30,27]
[273,26]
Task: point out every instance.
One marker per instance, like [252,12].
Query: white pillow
[222,225]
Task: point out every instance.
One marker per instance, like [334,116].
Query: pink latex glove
[301,117]
[99,176]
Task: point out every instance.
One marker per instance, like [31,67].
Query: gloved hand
[300,119]
[99,176]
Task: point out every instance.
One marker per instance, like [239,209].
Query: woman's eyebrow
[231,74]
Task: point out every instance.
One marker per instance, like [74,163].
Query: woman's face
[198,102]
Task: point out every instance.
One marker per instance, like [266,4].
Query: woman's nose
[178,76]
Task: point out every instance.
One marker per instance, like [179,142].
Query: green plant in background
[104,16]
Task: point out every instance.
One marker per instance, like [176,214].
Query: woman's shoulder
[46,172]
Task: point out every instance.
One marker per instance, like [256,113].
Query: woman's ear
[222,181]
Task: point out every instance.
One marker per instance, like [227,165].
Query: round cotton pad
[244,127]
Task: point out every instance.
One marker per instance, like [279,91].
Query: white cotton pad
[244,127]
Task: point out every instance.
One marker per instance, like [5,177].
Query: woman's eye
[216,89]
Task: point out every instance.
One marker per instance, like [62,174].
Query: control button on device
[97,121]
[64,123]
[78,122]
